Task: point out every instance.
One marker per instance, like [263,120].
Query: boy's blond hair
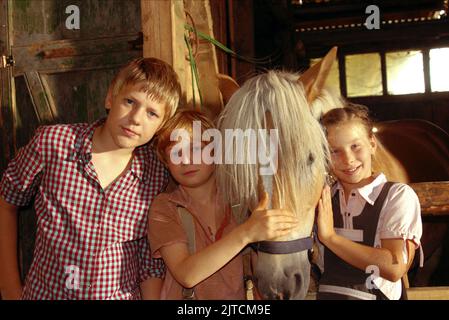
[157,79]
[183,119]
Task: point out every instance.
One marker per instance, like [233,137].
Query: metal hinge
[6,61]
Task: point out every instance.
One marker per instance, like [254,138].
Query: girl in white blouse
[370,227]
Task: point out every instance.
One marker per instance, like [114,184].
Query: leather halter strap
[283,247]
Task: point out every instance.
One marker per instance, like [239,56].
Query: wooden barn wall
[234,27]
[61,75]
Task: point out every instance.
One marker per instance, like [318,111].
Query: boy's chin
[127,144]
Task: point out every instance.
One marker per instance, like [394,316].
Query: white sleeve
[401,215]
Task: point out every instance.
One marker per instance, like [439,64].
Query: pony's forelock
[301,139]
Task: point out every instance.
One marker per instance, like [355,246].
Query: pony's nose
[293,283]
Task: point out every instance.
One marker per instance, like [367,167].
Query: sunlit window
[333,80]
[405,72]
[439,69]
[363,75]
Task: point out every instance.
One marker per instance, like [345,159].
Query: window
[363,75]
[405,72]
[439,69]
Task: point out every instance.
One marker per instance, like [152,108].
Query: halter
[287,247]
[284,247]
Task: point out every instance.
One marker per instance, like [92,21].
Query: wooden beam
[428,293]
[163,37]
[433,196]
[205,58]
[7,91]
[163,27]
[415,293]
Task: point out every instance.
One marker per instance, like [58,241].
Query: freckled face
[351,153]
[134,117]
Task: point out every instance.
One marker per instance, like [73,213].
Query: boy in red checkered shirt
[93,185]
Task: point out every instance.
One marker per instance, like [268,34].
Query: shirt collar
[370,192]
[83,142]
[144,160]
[180,197]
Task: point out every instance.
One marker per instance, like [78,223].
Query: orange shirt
[165,228]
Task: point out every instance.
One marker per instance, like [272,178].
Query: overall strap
[189,227]
[372,213]
[382,196]
[247,274]
[246,259]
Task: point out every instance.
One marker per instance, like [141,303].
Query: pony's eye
[311,159]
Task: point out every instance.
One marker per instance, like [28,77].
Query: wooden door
[60,75]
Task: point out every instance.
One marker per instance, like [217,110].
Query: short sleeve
[164,225]
[401,215]
[22,176]
[149,267]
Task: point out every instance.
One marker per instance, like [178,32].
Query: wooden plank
[64,55]
[206,58]
[428,293]
[7,136]
[416,293]
[433,196]
[44,20]
[163,37]
[43,103]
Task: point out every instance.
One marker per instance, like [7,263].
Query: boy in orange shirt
[215,269]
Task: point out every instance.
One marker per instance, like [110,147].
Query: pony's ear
[227,86]
[315,77]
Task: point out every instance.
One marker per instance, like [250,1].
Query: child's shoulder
[60,131]
[402,190]
[168,199]
[162,197]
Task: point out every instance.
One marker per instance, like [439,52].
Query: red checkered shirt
[90,243]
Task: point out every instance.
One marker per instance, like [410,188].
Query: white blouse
[400,217]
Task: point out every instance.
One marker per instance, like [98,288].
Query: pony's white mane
[302,149]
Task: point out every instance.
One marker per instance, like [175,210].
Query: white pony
[276,100]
